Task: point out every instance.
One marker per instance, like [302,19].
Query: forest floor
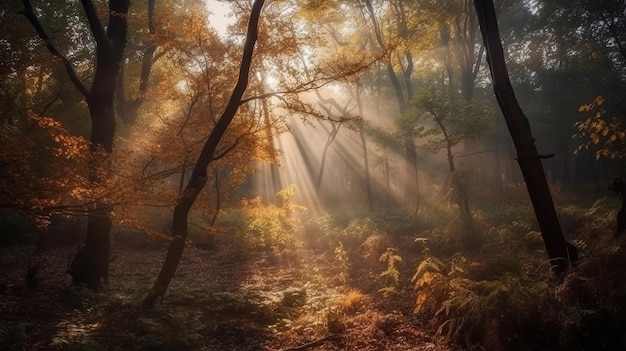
[346,282]
[295,300]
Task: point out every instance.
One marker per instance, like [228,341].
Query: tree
[128,107]
[199,175]
[560,252]
[359,123]
[191,94]
[402,96]
[552,47]
[335,125]
[456,121]
[90,265]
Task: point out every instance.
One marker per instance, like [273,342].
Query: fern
[391,274]
[429,264]
[341,255]
[286,196]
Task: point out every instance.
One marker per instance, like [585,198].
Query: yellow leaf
[599,100]
[599,126]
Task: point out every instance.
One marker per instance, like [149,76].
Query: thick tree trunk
[91,264]
[199,175]
[559,251]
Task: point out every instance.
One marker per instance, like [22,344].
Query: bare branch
[224,152]
[97,30]
[29,13]
[317,81]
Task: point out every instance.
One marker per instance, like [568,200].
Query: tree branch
[97,30]
[318,81]
[222,153]
[29,13]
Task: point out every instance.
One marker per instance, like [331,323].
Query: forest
[430,175]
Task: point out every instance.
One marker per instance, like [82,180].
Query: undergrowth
[505,298]
[502,297]
[261,227]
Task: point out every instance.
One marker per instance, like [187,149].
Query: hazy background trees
[406,80]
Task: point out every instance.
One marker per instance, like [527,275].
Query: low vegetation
[277,278]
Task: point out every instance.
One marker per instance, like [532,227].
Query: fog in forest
[312,175]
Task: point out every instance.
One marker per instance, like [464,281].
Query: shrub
[266,227]
[269,227]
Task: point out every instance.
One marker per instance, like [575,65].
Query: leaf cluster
[607,137]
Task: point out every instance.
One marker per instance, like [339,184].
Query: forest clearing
[287,175]
[230,294]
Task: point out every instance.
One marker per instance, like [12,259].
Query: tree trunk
[469,61]
[329,141]
[411,182]
[368,186]
[199,175]
[90,265]
[129,109]
[470,240]
[360,124]
[560,252]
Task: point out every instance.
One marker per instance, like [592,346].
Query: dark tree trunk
[560,252]
[199,175]
[129,109]
[90,265]
[218,198]
[619,187]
